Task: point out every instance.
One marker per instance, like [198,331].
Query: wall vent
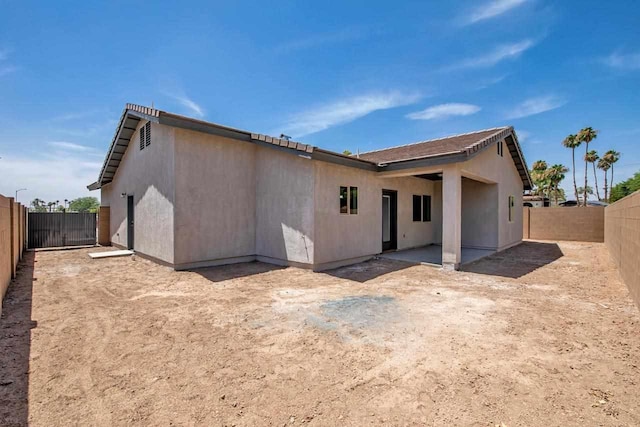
[142,137]
[148,133]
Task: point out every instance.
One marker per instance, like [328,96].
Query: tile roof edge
[498,129]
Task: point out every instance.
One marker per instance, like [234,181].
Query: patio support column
[451,217]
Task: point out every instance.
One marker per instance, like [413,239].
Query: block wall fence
[13,226]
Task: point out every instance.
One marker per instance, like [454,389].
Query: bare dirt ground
[542,334]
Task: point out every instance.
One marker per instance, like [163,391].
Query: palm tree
[604,164]
[573,142]
[592,157]
[612,156]
[539,177]
[586,191]
[555,175]
[586,135]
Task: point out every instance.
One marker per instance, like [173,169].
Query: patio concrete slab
[110,254]
[432,255]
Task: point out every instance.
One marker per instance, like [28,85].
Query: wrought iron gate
[56,229]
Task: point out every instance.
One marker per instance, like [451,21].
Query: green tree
[625,188]
[38,205]
[586,135]
[347,153]
[604,165]
[84,204]
[592,157]
[612,157]
[540,178]
[586,191]
[555,175]
[573,142]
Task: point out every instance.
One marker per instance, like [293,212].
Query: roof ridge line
[434,139]
[493,135]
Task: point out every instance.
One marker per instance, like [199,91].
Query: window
[353,205]
[511,206]
[417,208]
[349,200]
[344,199]
[147,132]
[421,208]
[142,138]
[500,149]
[426,208]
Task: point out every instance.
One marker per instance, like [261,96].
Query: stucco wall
[215,182]
[284,206]
[571,223]
[498,169]
[342,237]
[479,221]
[148,175]
[622,237]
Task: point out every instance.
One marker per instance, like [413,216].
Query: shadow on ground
[15,346]
[517,261]
[368,270]
[235,271]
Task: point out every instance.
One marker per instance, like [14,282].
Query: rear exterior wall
[490,166]
[284,208]
[215,181]
[479,222]
[345,237]
[148,175]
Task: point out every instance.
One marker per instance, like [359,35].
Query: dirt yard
[540,335]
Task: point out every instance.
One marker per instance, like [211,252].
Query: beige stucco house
[189,193]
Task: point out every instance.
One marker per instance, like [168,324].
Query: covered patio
[432,255]
[476,191]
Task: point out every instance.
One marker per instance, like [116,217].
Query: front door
[130,222]
[389,220]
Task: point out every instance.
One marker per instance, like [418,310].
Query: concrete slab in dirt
[110,254]
[432,255]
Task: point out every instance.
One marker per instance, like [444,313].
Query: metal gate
[56,229]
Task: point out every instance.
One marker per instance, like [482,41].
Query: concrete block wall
[12,238]
[622,238]
[104,221]
[572,223]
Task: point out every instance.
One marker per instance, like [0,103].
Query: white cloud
[194,109]
[444,111]
[56,176]
[4,67]
[500,53]
[536,105]
[64,145]
[491,10]
[344,111]
[523,135]
[630,61]
[7,70]
[490,82]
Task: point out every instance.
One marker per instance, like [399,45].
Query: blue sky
[340,75]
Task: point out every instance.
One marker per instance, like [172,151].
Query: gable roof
[439,151]
[450,149]
[133,114]
[431,147]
